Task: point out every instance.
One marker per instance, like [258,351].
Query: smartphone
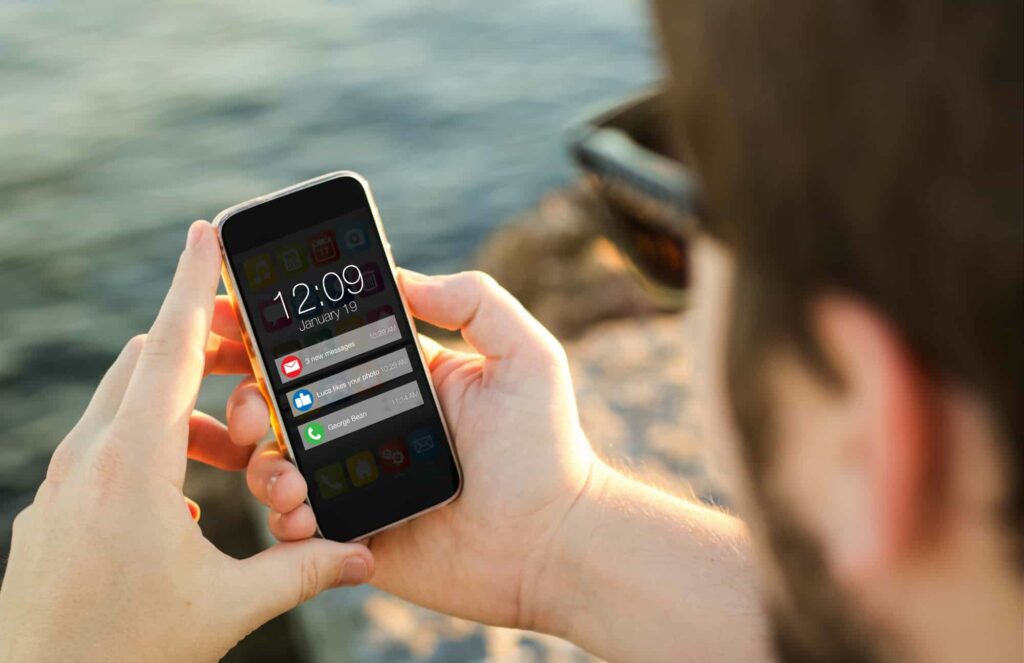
[336,355]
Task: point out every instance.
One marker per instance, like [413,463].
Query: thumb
[289,574]
[490,318]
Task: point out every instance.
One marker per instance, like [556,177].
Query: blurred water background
[121,122]
[124,117]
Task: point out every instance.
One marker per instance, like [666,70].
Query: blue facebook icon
[302,400]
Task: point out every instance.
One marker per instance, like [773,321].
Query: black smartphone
[336,355]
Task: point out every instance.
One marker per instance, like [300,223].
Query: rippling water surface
[125,117]
[120,122]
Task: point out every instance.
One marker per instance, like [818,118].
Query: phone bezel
[249,336]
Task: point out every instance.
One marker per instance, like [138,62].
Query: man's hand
[107,563]
[510,407]
[544,536]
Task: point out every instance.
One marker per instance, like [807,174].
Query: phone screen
[340,358]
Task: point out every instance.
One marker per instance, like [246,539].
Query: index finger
[163,389]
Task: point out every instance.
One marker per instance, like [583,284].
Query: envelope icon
[291,366]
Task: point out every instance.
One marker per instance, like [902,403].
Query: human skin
[108,563]
[896,477]
[544,535]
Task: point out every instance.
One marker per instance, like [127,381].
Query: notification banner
[364,413]
[337,349]
[349,382]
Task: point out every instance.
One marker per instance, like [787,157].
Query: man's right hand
[510,407]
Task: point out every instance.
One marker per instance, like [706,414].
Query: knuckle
[135,344]
[310,577]
[254,477]
[551,358]
[555,350]
[60,463]
[158,344]
[544,346]
[167,343]
[482,280]
[108,462]
[21,521]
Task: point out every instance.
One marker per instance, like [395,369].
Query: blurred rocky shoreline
[628,356]
[555,260]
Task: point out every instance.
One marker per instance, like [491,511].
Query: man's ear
[882,504]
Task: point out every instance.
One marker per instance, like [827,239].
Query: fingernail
[416,276]
[354,572]
[193,509]
[195,231]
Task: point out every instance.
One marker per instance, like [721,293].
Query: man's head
[862,163]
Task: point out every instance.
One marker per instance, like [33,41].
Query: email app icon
[291,366]
[424,443]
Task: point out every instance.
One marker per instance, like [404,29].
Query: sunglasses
[649,201]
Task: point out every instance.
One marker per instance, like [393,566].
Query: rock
[555,260]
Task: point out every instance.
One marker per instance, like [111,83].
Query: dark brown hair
[873,148]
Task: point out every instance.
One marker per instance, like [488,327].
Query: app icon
[291,366]
[302,400]
[372,282]
[379,313]
[323,247]
[314,433]
[394,456]
[273,315]
[293,259]
[354,238]
[259,270]
[330,481]
[361,468]
[424,443]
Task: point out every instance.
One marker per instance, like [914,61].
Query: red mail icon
[291,366]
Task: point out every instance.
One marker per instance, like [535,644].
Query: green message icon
[314,433]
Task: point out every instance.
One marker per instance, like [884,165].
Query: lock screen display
[341,358]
